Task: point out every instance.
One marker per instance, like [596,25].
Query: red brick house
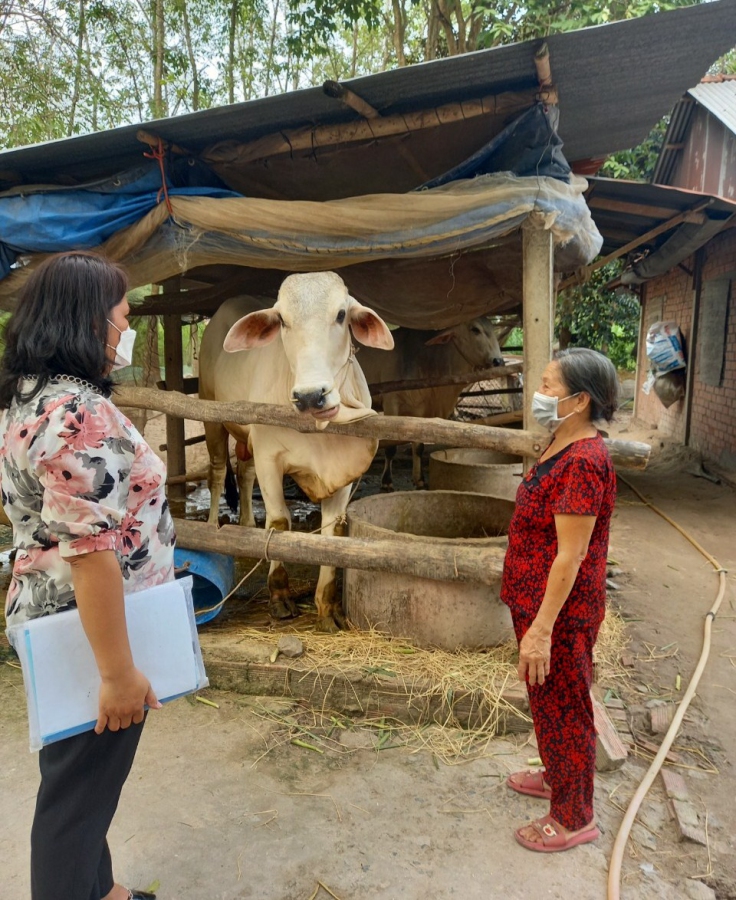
[698,291]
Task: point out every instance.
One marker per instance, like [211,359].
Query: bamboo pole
[403,429]
[469,563]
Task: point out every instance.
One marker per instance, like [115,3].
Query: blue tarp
[53,219]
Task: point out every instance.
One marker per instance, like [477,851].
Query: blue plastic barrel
[213,575]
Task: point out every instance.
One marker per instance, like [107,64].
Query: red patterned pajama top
[581,481]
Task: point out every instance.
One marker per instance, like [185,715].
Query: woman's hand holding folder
[125,691]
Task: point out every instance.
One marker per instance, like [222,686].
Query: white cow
[425,354]
[299,354]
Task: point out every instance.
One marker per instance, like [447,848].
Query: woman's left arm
[573,536]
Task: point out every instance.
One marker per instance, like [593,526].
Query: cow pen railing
[423,559]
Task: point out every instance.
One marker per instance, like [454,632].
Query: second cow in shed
[298,354]
[424,354]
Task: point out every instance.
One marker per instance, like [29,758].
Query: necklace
[73,379]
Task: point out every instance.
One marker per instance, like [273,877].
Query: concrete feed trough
[479,471]
[428,612]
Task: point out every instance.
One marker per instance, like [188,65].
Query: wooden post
[176,463]
[538,265]
[692,344]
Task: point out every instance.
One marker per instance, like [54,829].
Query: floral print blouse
[76,477]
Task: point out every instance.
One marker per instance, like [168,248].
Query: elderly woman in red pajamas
[554,582]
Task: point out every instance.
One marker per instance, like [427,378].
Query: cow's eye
[341,317]
[475,329]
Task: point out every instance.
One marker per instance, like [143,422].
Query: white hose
[614,869]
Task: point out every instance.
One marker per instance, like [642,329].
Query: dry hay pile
[482,677]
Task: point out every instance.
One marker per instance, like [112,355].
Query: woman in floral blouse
[85,495]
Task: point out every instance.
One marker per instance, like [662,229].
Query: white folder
[60,675]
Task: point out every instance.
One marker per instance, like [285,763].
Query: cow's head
[476,342]
[314,314]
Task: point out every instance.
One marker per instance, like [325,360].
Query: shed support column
[539,296]
[174,362]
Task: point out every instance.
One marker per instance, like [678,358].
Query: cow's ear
[369,328]
[254,330]
[444,337]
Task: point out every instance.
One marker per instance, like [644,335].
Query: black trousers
[81,781]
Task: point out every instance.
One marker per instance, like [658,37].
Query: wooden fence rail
[471,562]
[627,454]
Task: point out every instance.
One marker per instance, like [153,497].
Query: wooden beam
[538,281]
[464,378]
[403,429]
[464,563]
[637,209]
[176,461]
[582,276]
[290,141]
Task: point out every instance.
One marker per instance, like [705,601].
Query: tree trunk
[158,63]
[271,47]
[232,29]
[398,32]
[190,54]
[81,34]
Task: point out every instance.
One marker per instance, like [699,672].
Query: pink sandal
[530,783]
[554,838]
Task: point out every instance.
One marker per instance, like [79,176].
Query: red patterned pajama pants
[562,712]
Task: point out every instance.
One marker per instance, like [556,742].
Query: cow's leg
[217,438]
[417,476]
[246,480]
[330,616]
[271,482]
[387,478]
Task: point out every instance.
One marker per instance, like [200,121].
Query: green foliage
[604,320]
[637,164]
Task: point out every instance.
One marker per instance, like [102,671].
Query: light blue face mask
[544,410]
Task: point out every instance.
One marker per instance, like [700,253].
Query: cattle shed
[438,191]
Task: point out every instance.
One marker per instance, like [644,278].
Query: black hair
[60,325]
[584,370]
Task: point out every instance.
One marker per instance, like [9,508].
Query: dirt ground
[216,809]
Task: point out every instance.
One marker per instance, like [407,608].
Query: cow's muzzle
[308,401]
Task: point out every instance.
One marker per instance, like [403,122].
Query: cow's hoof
[281,606]
[387,488]
[326,625]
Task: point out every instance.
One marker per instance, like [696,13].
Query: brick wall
[670,298]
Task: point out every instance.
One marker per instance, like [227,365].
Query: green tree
[592,316]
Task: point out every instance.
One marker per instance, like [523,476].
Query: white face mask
[544,410]
[124,349]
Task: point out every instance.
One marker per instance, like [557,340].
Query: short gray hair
[592,372]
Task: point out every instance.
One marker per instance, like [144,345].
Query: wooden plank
[610,752]
[471,562]
[402,429]
[357,693]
